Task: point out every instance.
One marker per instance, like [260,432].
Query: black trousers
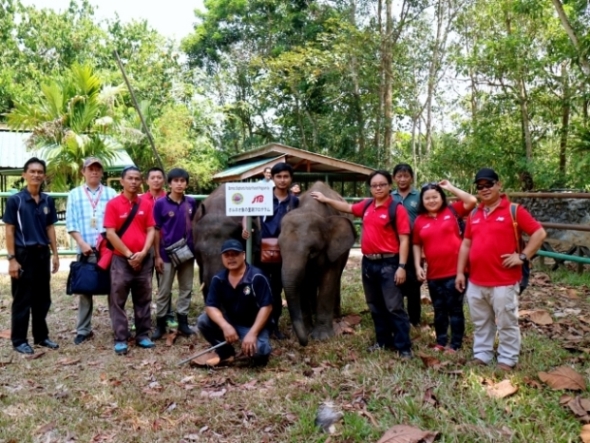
[272,271]
[411,291]
[31,294]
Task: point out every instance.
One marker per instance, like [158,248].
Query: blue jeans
[214,335]
[448,308]
[385,301]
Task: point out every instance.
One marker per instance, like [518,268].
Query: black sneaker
[406,355]
[24,348]
[376,347]
[81,338]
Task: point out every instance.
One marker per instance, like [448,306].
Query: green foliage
[70,120]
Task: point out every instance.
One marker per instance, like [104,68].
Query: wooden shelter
[308,167]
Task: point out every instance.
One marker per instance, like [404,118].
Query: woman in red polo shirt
[437,237]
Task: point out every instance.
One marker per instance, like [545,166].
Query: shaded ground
[87,394]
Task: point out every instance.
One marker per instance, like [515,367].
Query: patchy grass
[88,394]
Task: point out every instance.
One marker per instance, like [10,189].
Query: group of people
[412,236]
[409,237]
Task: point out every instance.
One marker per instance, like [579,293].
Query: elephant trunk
[293,296]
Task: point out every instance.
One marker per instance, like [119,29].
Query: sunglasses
[431,185]
[486,185]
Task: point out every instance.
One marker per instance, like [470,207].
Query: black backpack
[392,211]
[460,221]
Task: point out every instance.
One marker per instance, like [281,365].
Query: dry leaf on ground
[352,319]
[5,334]
[429,362]
[407,434]
[563,377]
[581,408]
[170,338]
[35,356]
[430,398]
[68,361]
[541,317]
[501,390]
[585,434]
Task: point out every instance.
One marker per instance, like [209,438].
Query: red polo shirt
[117,211]
[149,197]
[378,235]
[440,239]
[493,236]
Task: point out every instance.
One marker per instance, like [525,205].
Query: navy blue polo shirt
[271,224]
[35,218]
[242,303]
[173,220]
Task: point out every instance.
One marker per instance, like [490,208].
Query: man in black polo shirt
[29,218]
[238,307]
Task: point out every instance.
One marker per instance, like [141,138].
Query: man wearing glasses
[84,222]
[495,270]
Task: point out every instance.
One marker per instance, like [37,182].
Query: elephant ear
[341,236]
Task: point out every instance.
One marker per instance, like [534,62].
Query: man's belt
[379,256]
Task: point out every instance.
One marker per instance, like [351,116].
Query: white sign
[248,199]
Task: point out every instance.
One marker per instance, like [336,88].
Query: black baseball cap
[232,245]
[486,174]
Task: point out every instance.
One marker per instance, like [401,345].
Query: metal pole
[249,241]
[136,106]
[202,352]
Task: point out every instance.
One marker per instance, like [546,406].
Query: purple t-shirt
[173,220]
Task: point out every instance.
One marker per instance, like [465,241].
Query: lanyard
[93,203]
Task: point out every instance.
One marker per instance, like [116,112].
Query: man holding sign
[283,202]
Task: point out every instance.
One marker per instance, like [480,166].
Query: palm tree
[73,118]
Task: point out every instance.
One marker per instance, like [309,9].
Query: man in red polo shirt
[385,253]
[131,268]
[495,270]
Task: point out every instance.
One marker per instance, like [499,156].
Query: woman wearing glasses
[385,245]
[437,236]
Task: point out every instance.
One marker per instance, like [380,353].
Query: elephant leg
[328,290]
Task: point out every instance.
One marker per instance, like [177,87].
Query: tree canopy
[447,85]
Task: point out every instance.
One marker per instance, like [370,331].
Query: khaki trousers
[495,309]
[186,273]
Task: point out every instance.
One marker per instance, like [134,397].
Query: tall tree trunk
[358,107]
[525,120]
[379,118]
[433,72]
[565,119]
[584,64]
[388,80]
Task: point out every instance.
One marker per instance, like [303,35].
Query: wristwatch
[10,257]
[130,257]
[402,265]
[523,258]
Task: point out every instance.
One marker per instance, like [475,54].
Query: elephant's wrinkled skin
[315,241]
[211,227]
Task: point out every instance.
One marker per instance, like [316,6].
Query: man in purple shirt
[173,215]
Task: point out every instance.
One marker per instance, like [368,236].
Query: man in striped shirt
[84,222]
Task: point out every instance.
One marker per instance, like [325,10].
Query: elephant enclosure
[88,394]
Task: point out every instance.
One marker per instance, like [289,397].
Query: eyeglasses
[379,185]
[486,185]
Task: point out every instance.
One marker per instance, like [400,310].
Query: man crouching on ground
[238,307]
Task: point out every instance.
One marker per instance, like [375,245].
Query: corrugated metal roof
[14,153]
[240,169]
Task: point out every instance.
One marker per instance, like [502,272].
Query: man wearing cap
[238,307]
[84,222]
[495,269]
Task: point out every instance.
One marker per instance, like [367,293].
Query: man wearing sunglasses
[495,270]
